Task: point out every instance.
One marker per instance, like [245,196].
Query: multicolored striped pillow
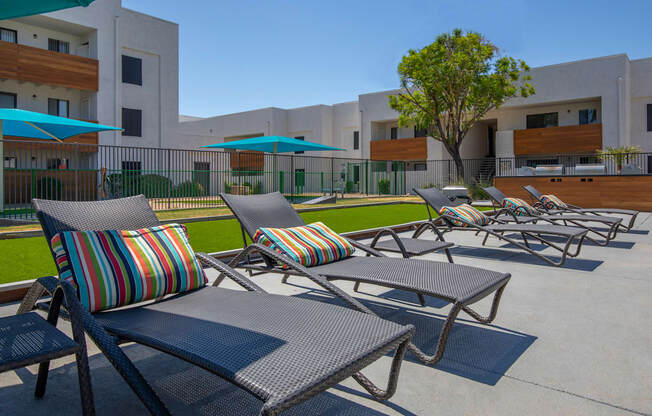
[465,212]
[552,202]
[309,245]
[116,268]
[520,207]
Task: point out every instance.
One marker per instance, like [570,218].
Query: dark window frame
[649,117]
[11,30]
[10,159]
[393,133]
[13,94]
[57,105]
[132,126]
[531,121]
[58,43]
[135,76]
[131,167]
[356,140]
[302,138]
[586,119]
[420,132]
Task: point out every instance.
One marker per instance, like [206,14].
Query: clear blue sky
[238,55]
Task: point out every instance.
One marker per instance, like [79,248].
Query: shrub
[154,186]
[49,188]
[188,189]
[350,187]
[227,187]
[258,188]
[384,186]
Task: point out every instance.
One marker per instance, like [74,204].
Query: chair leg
[422,300]
[356,286]
[376,392]
[448,254]
[44,367]
[441,343]
[285,278]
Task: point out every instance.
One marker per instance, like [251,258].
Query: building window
[10,162]
[393,133]
[132,122]
[420,167]
[56,163]
[589,116]
[58,45]
[302,138]
[131,167]
[649,117]
[8,35]
[356,140]
[533,163]
[132,70]
[58,107]
[7,100]
[420,132]
[588,160]
[537,121]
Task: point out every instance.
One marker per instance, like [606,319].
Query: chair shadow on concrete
[185,388]
[501,254]
[560,240]
[482,353]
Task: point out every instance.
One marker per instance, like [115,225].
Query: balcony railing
[29,64]
[585,138]
[415,148]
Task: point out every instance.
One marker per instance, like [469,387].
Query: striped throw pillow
[116,268]
[552,202]
[309,245]
[465,212]
[520,207]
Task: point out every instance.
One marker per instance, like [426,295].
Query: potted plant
[618,154]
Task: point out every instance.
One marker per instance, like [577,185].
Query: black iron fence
[576,164]
[182,179]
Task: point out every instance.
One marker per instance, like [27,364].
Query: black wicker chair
[460,285]
[437,200]
[536,195]
[578,220]
[245,337]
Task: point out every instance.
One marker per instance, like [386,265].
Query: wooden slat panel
[400,149]
[254,161]
[25,63]
[585,138]
[627,192]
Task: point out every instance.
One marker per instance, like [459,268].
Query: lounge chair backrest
[129,213]
[495,194]
[265,210]
[533,191]
[434,198]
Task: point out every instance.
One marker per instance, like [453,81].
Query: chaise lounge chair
[460,285]
[577,220]
[536,196]
[437,200]
[245,337]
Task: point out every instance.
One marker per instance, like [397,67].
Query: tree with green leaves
[451,84]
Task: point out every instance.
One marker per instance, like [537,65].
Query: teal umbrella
[18,8]
[22,123]
[273,144]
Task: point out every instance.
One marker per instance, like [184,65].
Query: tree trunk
[458,164]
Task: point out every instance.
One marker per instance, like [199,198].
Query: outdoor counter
[599,191]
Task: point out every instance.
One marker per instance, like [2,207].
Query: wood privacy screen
[585,138]
[627,191]
[400,149]
[25,63]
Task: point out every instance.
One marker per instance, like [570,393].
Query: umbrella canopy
[23,123]
[273,144]
[17,8]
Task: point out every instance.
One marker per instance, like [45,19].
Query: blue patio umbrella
[17,8]
[273,144]
[23,123]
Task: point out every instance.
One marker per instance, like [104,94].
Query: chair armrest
[431,225]
[397,239]
[365,248]
[302,271]
[228,272]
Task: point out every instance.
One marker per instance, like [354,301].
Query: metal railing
[184,179]
[576,164]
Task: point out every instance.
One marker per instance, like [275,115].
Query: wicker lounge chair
[536,195]
[436,199]
[577,220]
[460,285]
[241,336]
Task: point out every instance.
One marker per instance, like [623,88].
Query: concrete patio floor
[572,340]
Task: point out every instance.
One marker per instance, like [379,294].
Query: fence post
[333,179]
[169,181]
[292,176]
[76,171]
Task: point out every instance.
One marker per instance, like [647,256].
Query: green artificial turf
[29,258]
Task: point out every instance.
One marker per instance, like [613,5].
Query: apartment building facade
[101,63]
[578,107]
